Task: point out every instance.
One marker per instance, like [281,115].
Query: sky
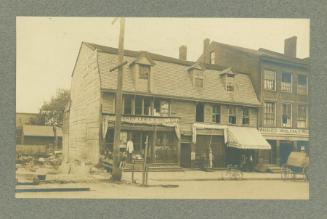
[47,47]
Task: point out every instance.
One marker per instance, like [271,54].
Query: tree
[52,112]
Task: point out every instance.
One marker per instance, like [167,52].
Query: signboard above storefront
[281,132]
[166,121]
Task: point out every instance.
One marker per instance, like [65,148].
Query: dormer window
[228,78]
[230,82]
[144,72]
[197,75]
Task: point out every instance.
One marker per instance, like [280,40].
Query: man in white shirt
[130,149]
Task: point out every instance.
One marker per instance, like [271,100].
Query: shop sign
[284,131]
[146,120]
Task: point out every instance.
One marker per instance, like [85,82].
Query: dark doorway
[285,150]
[185,155]
[199,112]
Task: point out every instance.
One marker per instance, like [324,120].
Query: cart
[297,164]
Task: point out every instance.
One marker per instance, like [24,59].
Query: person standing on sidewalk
[130,149]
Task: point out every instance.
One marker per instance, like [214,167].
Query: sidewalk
[155,178]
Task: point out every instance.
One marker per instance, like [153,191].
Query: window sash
[287,115]
[302,116]
[269,80]
[144,72]
[245,118]
[286,84]
[216,113]
[302,84]
[232,115]
[269,113]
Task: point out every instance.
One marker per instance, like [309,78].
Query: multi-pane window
[230,82]
[138,105]
[269,80]
[216,113]
[144,72]
[287,115]
[212,58]
[147,106]
[198,82]
[302,116]
[302,84]
[232,115]
[245,116]
[127,105]
[286,84]
[199,114]
[269,113]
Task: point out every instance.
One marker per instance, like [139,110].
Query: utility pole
[116,170]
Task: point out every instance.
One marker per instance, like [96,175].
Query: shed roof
[40,131]
[170,77]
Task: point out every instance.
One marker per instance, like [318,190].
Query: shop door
[218,150]
[285,150]
[185,155]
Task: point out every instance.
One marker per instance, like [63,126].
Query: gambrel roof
[171,78]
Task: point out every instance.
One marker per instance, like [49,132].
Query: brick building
[183,109]
[281,85]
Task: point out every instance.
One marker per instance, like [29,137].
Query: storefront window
[166,147]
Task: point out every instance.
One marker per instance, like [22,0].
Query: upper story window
[232,115]
[302,84]
[269,113]
[144,72]
[216,113]
[199,115]
[212,57]
[287,115]
[286,84]
[230,82]
[161,108]
[198,82]
[269,80]
[127,104]
[246,117]
[302,116]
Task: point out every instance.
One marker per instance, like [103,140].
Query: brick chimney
[183,53]
[206,43]
[290,47]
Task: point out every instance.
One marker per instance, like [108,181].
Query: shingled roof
[171,78]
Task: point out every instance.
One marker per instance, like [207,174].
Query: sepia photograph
[162,108]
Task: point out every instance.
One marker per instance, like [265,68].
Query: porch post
[278,152]
[154,140]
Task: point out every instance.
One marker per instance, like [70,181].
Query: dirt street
[187,189]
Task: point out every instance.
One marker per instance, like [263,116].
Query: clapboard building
[183,109]
[281,84]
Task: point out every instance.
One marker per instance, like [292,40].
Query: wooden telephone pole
[116,170]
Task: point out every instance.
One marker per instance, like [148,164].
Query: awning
[246,138]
